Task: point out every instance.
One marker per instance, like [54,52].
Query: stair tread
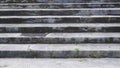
[59,47]
[59,35]
[57,1]
[59,9]
[60,13]
[58,6]
[64,25]
[60,63]
[64,40]
[93,16]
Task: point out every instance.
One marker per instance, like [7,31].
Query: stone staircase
[60,33]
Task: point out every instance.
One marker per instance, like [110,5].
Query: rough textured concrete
[30,40]
[56,1]
[61,63]
[86,19]
[60,51]
[60,35]
[28,17]
[60,13]
[66,43]
[59,9]
[57,29]
[64,25]
[59,47]
[57,5]
[82,35]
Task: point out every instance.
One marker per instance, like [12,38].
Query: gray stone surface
[60,35]
[64,25]
[61,19]
[60,51]
[59,47]
[57,1]
[58,5]
[28,17]
[60,13]
[59,9]
[61,63]
[82,35]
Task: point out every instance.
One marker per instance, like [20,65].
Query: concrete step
[30,17]
[60,9]
[60,12]
[63,25]
[60,63]
[60,51]
[57,1]
[59,19]
[57,5]
[59,35]
[58,29]
[48,28]
[58,38]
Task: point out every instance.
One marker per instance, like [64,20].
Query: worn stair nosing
[64,25]
[55,3]
[59,47]
[59,9]
[59,51]
[60,35]
[61,62]
[28,17]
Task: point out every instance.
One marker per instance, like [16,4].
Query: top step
[56,1]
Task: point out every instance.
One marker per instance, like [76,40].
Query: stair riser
[53,6]
[55,1]
[59,54]
[60,13]
[57,40]
[59,29]
[61,20]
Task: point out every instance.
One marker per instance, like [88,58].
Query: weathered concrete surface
[59,47]
[57,29]
[108,12]
[63,25]
[55,38]
[36,40]
[31,17]
[61,63]
[82,35]
[60,35]
[59,9]
[60,13]
[59,50]
[88,19]
[55,1]
[57,5]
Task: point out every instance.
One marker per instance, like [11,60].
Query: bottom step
[60,63]
[59,50]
